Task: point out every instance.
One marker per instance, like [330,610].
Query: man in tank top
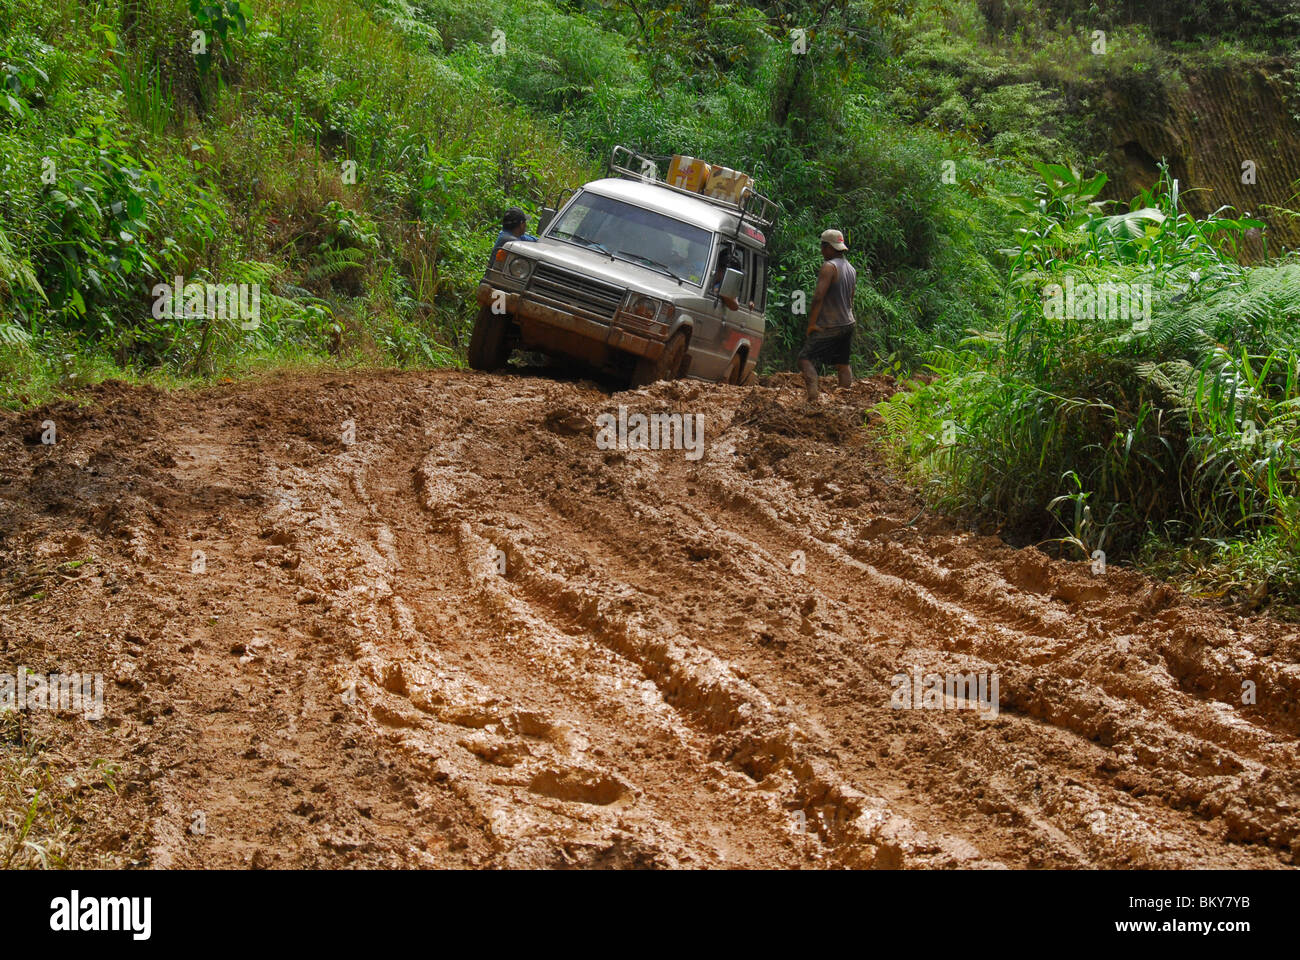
[831,320]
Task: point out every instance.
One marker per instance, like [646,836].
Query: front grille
[576,291]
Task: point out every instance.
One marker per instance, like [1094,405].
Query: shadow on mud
[526,364]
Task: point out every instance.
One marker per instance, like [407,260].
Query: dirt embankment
[1231,137]
[426,620]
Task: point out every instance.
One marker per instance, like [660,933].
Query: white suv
[633,275]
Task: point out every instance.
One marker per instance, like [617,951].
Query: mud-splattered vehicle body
[633,275]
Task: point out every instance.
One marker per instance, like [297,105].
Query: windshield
[626,232]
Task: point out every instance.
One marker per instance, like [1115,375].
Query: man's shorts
[828,347]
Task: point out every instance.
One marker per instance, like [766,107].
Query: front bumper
[540,322]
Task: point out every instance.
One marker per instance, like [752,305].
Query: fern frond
[12,335]
[334,262]
[253,271]
[1175,379]
[17,273]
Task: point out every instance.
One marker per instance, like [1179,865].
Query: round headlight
[519,267]
[643,307]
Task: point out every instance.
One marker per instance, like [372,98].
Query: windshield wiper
[652,263]
[590,243]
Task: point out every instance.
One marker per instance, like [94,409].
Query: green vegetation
[1166,410]
[131,158]
[310,149]
[352,158]
[43,810]
[1267,25]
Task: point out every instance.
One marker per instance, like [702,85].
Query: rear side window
[758,287]
[746,267]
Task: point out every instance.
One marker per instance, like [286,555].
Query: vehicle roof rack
[754,207]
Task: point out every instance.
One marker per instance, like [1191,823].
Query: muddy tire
[489,345]
[736,375]
[667,367]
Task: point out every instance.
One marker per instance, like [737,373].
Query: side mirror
[544,219]
[731,282]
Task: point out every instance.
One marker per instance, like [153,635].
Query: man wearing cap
[831,320]
[513,225]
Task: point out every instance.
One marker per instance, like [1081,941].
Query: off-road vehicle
[634,274]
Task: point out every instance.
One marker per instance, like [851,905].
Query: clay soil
[421,620]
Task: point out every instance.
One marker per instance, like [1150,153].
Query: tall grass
[1104,432]
[150,99]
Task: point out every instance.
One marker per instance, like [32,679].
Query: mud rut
[468,637]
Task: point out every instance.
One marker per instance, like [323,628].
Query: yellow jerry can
[728,184]
[689,173]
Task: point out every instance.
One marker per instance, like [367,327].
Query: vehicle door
[710,355]
[746,324]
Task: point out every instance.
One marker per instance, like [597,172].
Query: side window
[754,267]
[745,264]
[752,288]
[727,253]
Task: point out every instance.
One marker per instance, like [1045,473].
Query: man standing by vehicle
[831,320]
[513,225]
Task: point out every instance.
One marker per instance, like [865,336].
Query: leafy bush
[1180,420]
[308,138]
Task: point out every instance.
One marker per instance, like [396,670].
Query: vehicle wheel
[735,374]
[489,345]
[667,367]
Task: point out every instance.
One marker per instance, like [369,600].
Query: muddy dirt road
[374,620]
